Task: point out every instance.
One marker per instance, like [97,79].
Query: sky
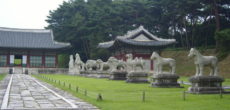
[26,14]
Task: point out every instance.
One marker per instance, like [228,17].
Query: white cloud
[26,13]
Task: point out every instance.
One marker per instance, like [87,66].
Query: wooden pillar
[28,59]
[8,58]
[43,60]
[56,60]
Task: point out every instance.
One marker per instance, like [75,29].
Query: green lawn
[2,76]
[118,95]
[17,61]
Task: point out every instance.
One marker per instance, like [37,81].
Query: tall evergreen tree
[85,24]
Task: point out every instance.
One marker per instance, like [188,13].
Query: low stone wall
[4,70]
[48,70]
[35,70]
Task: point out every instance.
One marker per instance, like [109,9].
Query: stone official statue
[71,64]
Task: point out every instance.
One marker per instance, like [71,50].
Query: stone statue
[116,64]
[160,62]
[136,73]
[79,64]
[91,65]
[134,63]
[71,65]
[164,79]
[201,84]
[201,61]
[117,69]
[121,65]
[113,62]
[103,66]
[71,62]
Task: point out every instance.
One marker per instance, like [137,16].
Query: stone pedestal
[101,74]
[71,73]
[83,72]
[95,74]
[90,72]
[165,80]
[137,77]
[206,84]
[118,75]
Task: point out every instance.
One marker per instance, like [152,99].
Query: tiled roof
[129,39]
[135,43]
[29,38]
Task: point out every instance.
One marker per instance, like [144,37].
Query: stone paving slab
[29,93]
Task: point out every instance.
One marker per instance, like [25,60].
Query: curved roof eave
[144,43]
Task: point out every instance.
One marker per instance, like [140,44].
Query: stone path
[28,93]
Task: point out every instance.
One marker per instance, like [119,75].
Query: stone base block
[83,72]
[88,72]
[103,74]
[137,77]
[206,84]
[166,81]
[95,74]
[118,75]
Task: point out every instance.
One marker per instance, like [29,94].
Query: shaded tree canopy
[84,24]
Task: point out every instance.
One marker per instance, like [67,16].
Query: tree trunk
[85,46]
[186,35]
[217,19]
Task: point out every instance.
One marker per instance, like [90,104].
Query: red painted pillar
[152,64]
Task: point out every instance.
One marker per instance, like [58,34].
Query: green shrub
[63,60]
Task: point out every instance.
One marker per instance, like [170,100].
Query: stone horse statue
[134,63]
[116,64]
[104,66]
[201,61]
[160,62]
[91,65]
[79,64]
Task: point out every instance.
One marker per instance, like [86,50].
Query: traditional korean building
[139,42]
[29,48]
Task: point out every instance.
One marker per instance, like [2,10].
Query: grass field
[118,95]
[2,76]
